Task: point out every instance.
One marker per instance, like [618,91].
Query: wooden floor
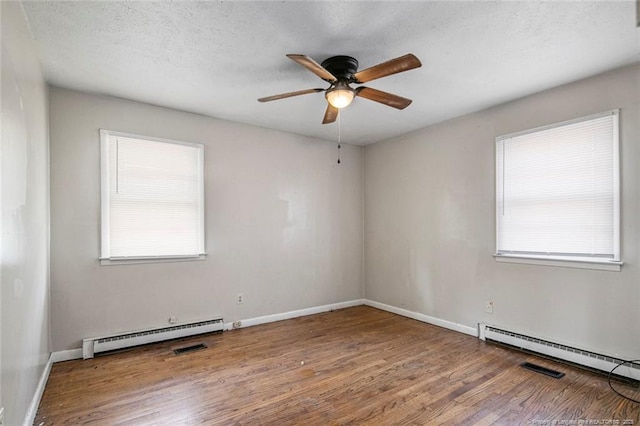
[353,366]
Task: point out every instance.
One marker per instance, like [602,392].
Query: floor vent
[190,348]
[94,345]
[543,370]
[557,350]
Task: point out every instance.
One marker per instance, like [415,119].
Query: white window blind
[557,190]
[152,197]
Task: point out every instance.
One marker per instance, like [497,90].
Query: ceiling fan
[341,71]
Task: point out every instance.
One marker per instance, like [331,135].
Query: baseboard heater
[556,350]
[94,345]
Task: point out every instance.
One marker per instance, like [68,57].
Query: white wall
[283,224]
[24,177]
[430,225]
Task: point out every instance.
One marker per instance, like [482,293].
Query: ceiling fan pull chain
[339,145]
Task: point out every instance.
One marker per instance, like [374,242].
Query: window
[557,192]
[152,198]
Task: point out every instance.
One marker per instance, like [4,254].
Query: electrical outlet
[488,306]
[173,320]
[240,298]
[237,324]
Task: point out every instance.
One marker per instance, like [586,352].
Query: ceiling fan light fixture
[340,71]
[340,96]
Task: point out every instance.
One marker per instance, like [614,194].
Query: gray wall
[283,224]
[24,201]
[430,225]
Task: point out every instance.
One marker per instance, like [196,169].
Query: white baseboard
[37,396]
[71,354]
[68,355]
[295,314]
[424,318]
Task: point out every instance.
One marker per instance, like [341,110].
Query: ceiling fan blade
[313,66]
[388,99]
[289,94]
[330,114]
[394,66]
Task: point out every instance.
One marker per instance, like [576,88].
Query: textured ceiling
[217,58]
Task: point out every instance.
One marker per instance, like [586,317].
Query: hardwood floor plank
[353,366]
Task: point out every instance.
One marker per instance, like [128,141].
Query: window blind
[152,195]
[557,190]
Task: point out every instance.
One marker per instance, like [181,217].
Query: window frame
[105,258]
[535,258]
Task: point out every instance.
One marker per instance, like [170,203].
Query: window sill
[157,259]
[603,265]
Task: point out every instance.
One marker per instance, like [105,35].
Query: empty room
[320,212]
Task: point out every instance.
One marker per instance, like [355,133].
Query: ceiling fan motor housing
[343,67]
